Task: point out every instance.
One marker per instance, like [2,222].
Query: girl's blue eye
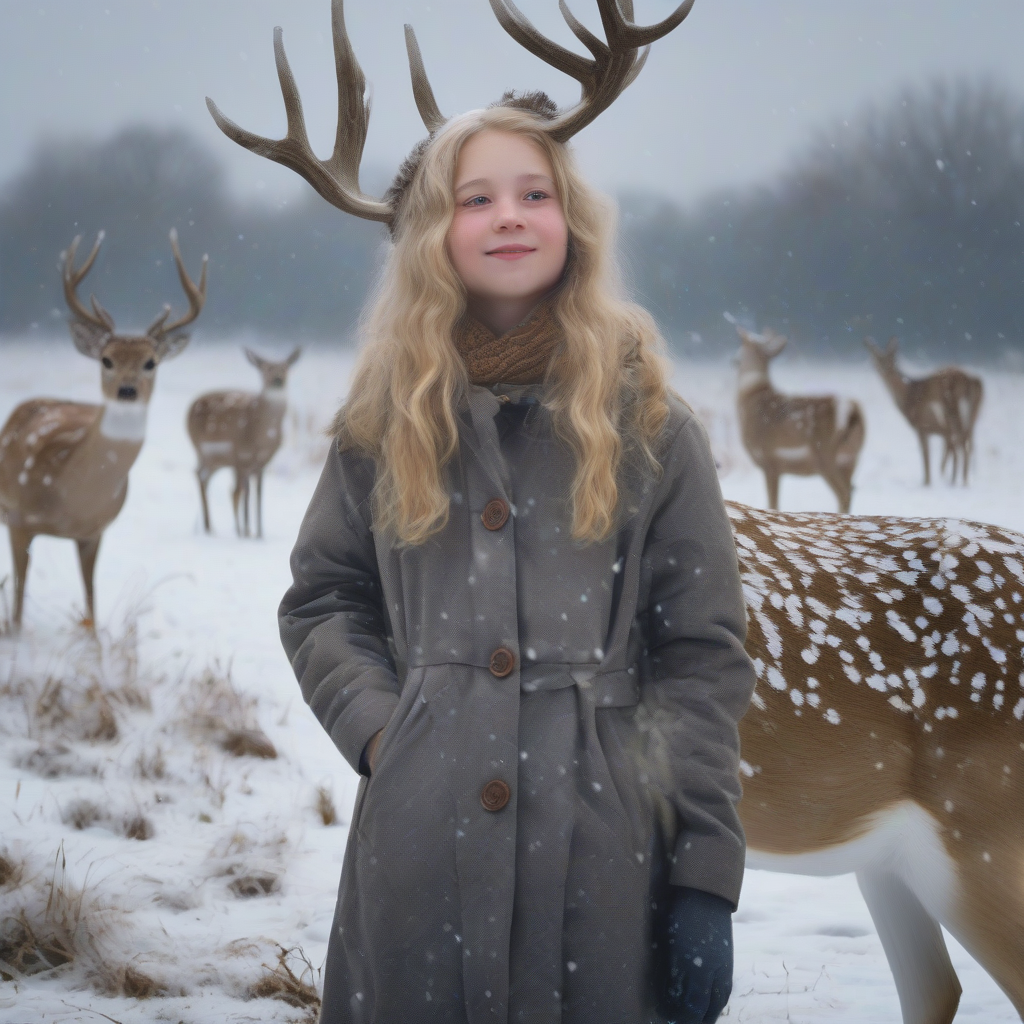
[536,194]
[477,201]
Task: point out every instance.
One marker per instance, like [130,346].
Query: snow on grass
[172,817]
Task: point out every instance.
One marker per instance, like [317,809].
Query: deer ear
[253,358]
[174,345]
[88,338]
[893,347]
[294,357]
[869,344]
[777,344]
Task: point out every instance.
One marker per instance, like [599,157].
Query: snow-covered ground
[239,864]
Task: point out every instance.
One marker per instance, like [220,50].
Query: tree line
[903,220]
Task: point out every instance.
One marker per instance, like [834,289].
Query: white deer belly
[216,447]
[124,421]
[903,839]
[794,453]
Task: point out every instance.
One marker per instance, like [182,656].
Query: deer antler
[196,296]
[615,65]
[72,277]
[336,179]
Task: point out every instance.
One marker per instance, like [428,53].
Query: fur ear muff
[88,338]
[174,345]
[294,357]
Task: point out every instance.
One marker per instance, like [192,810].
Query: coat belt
[615,688]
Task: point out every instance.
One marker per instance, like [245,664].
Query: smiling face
[509,240]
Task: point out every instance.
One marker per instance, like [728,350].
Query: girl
[516,610]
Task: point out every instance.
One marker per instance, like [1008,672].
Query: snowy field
[188,884]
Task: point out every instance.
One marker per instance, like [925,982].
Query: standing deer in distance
[886,732]
[802,435]
[945,403]
[242,431]
[64,465]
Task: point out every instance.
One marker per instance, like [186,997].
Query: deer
[242,431]
[802,435]
[64,465]
[886,732]
[944,403]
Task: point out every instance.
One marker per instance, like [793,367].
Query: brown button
[502,662]
[495,514]
[495,795]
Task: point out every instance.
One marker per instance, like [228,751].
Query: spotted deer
[241,431]
[802,435]
[946,403]
[64,465]
[886,733]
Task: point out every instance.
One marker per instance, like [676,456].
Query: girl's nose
[507,214]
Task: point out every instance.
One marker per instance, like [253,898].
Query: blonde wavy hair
[606,386]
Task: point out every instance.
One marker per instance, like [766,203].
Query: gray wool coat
[527,809]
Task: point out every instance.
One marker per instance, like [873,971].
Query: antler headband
[615,64]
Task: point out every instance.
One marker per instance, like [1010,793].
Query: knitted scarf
[520,356]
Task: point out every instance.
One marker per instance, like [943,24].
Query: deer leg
[912,939]
[20,542]
[259,504]
[989,917]
[236,500]
[246,494]
[203,476]
[771,478]
[923,438]
[841,486]
[88,549]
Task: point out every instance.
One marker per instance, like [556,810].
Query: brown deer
[242,431]
[886,733]
[805,436]
[944,403]
[64,465]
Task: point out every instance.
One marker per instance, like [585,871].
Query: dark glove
[694,937]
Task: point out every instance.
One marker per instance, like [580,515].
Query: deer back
[890,662]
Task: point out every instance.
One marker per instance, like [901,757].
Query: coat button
[495,514]
[502,662]
[495,795]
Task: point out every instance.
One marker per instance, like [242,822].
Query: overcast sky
[724,100]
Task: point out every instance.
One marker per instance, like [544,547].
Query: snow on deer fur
[886,735]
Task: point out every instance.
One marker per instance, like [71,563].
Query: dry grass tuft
[249,743]
[216,710]
[128,981]
[54,761]
[281,982]
[138,826]
[34,941]
[74,712]
[12,871]
[151,764]
[24,952]
[325,805]
[83,814]
[247,887]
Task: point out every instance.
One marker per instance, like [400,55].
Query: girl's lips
[511,254]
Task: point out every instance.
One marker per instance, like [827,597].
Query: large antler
[196,296]
[72,278]
[615,64]
[336,179]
